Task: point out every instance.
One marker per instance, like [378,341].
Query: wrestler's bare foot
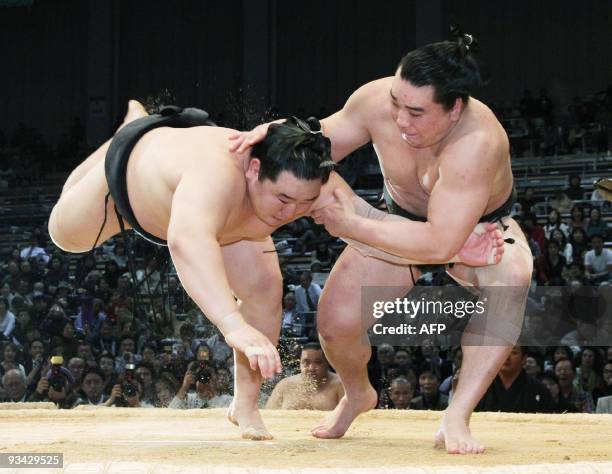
[249,421]
[339,420]
[135,111]
[454,435]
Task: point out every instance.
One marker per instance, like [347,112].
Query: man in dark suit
[515,391]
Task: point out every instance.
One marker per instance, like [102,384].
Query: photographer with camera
[56,386]
[127,394]
[201,375]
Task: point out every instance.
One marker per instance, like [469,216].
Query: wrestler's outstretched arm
[464,184]
[199,212]
[483,246]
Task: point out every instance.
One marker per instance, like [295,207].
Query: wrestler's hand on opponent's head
[484,246]
[242,141]
[336,215]
[256,347]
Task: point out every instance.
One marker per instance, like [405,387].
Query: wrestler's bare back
[411,173]
[165,155]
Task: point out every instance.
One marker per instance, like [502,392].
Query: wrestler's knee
[336,320]
[519,273]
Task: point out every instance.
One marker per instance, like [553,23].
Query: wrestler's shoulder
[373,91]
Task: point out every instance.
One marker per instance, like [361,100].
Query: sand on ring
[109,440]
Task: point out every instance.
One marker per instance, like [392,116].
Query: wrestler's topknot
[449,67]
[295,146]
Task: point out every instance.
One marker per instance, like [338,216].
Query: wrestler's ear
[252,172]
[455,112]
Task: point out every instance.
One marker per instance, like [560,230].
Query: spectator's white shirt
[288,317]
[314,291]
[7,324]
[192,400]
[599,263]
[37,252]
[604,405]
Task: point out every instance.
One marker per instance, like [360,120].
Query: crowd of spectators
[538,127]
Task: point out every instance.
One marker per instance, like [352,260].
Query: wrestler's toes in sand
[249,422]
[339,420]
[454,435]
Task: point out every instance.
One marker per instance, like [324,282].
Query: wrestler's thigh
[76,218]
[340,303]
[253,271]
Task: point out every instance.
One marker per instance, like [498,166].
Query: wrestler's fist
[257,348]
[484,246]
[337,215]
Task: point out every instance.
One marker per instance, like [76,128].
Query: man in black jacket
[515,391]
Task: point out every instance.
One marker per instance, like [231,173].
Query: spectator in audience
[606,389]
[55,321]
[574,191]
[106,363]
[403,360]
[560,404]
[528,201]
[578,241]
[9,359]
[7,319]
[565,372]
[92,388]
[577,218]
[533,230]
[166,388]
[289,311]
[35,363]
[446,384]
[532,367]
[598,261]
[68,340]
[23,291]
[14,383]
[126,355]
[324,255]
[430,397]
[56,271]
[399,395]
[104,341]
[220,350]
[565,248]
[112,272]
[514,391]
[34,250]
[588,366]
[560,201]
[596,225]
[377,369]
[205,395]
[316,387]
[307,294]
[148,356]
[84,352]
[76,366]
[554,222]
[119,398]
[144,373]
[550,265]
[45,391]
